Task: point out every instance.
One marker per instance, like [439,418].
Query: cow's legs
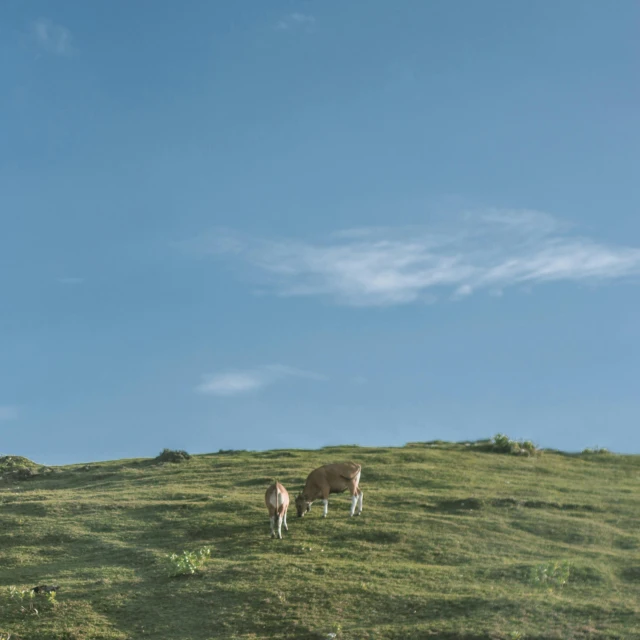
[272,519]
[354,500]
[360,495]
[355,495]
[285,521]
[279,525]
[325,507]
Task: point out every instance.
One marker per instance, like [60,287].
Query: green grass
[455,542]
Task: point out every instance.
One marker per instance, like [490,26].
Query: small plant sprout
[26,600]
[187,562]
[550,574]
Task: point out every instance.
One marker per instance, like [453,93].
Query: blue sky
[292,224]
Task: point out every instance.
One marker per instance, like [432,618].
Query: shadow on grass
[455,506]
[631,574]
[558,532]
[276,455]
[374,536]
[227,604]
[262,481]
[475,504]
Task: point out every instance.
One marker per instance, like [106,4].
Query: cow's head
[302,505]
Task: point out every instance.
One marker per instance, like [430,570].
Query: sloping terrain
[454,542]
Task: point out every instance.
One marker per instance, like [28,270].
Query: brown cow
[277,500]
[331,478]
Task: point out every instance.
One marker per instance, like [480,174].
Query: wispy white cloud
[231,383]
[8,412]
[295,20]
[51,37]
[387,266]
[70,280]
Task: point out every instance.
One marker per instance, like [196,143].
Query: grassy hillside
[454,542]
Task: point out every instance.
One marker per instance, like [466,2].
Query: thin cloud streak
[232,383]
[53,38]
[381,267]
[295,20]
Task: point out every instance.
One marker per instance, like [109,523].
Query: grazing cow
[331,478]
[277,500]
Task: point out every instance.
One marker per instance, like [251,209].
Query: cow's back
[338,475]
[345,470]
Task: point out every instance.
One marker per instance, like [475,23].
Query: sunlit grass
[456,541]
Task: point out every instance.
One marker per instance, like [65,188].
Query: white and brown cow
[331,478]
[277,500]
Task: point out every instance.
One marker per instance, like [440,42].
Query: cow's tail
[278,494]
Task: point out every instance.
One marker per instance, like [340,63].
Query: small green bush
[17,467]
[187,562]
[550,574]
[171,455]
[15,461]
[598,450]
[503,444]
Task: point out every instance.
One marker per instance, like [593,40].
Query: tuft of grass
[171,455]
